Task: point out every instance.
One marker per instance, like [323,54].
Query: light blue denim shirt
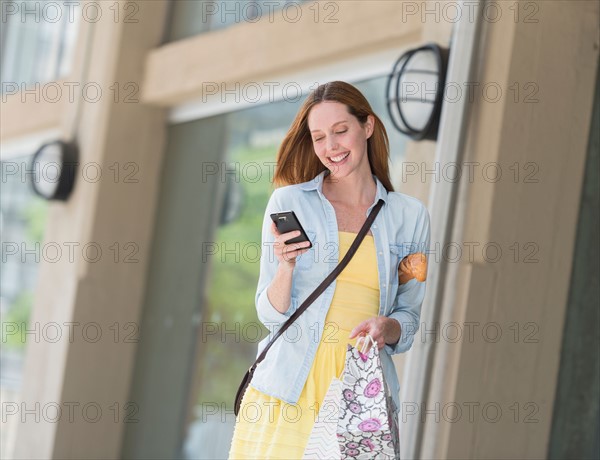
[400,228]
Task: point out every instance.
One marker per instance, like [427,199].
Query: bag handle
[367,338]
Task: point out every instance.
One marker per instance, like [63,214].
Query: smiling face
[339,139]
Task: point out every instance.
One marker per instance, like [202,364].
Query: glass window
[22,223]
[37,41]
[230,328]
[193,17]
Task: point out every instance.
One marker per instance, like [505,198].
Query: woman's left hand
[381,328]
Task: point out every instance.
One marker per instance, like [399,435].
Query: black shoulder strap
[326,282]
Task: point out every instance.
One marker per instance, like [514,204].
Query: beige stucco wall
[523,294]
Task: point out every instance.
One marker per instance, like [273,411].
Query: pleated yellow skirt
[268,428]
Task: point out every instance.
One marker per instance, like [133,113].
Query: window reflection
[37,41]
[22,223]
[194,17]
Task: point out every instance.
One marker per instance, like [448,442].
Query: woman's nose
[331,144]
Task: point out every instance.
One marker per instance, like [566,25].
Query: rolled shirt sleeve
[267,313]
[407,304]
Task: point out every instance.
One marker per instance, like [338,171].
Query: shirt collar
[317,184]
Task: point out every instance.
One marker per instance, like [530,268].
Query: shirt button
[380,253]
[375,226]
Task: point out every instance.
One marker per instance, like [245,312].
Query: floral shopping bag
[367,425]
[361,411]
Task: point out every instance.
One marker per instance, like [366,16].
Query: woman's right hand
[286,253]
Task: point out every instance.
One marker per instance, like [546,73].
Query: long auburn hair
[296,158]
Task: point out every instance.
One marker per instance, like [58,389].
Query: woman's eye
[320,138]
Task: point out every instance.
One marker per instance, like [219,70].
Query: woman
[332,168]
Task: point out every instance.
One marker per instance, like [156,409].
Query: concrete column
[86,373]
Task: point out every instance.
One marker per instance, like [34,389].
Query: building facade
[122,335]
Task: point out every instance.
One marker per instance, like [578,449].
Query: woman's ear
[370,125]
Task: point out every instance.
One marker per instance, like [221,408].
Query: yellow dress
[272,429]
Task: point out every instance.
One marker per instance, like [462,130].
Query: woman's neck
[349,190]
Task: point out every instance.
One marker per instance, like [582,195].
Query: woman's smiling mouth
[339,158]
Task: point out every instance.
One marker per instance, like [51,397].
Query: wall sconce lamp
[54,166]
[415,91]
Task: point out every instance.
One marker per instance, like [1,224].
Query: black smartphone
[286,221]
